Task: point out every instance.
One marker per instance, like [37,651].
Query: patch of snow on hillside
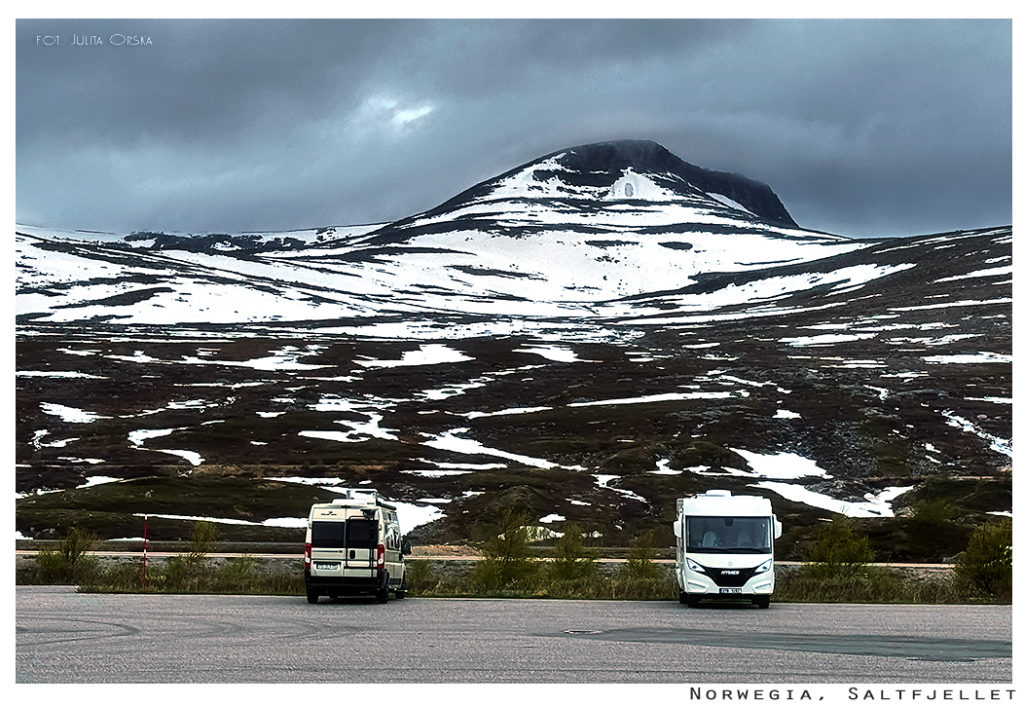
[427,354]
[451,441]
[83,353]
[561,354]
[200,518]
[436,473]
[730,203]
[90,461]
[664,397]
[285,359]
[781,465]
[139,436]
[1002,446]
[190,456]
[70,414]
[967,358]
[136,357]
[874,505]
[664,470]
[454,390]
[56,374]
[603,481]
[994,400]
[553,517]
[786,414]
[503,412]
[412,515]
[826,339]
[465,466]
[90,481]
[290,522]
[307,480]
[991,272]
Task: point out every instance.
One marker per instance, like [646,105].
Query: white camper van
[353,546]
[725,547]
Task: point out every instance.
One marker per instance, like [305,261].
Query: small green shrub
[639,564]
[838,551]
[573,559]
[69,563]
[420,577]
[507,558]
[986,566]
[201,541]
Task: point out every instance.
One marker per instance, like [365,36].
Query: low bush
[507,562]
[69,562]
[639,564]
[838,551]
[573,559]
[985,568]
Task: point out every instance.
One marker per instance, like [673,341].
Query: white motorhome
[725,547]
[353,546]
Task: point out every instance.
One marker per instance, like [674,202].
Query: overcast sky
[892,127]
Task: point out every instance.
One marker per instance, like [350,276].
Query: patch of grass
[810,584]
[242,575]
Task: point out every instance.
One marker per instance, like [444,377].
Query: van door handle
[351,553]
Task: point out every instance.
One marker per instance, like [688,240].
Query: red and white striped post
[145,541]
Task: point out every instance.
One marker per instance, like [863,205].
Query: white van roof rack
[355,495]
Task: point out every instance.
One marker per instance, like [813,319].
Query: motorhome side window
[751,535]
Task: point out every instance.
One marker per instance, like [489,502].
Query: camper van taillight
[380,557]
[309,552]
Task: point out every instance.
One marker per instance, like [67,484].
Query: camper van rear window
[328,534]
[361,534]
[729,535]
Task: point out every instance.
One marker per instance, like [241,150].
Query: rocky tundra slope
[585,337]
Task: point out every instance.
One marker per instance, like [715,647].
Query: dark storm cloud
[861,127]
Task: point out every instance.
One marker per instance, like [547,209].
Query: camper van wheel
[692,600]
[762,601]
[382,592]
[311,596]
[682,596]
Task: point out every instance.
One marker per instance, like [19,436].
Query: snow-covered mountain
[569,235]
[586,336]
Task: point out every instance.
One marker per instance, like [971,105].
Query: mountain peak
[635,169]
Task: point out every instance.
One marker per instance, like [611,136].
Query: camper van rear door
[360,540]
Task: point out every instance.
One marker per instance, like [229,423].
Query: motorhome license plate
[325,565]
[730,590]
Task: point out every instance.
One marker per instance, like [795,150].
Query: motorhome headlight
[763,567]
[694,566]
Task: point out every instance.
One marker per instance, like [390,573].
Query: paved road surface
[63,636]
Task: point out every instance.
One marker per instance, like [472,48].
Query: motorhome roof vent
[718,493]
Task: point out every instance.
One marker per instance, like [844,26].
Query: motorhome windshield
[733,535]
